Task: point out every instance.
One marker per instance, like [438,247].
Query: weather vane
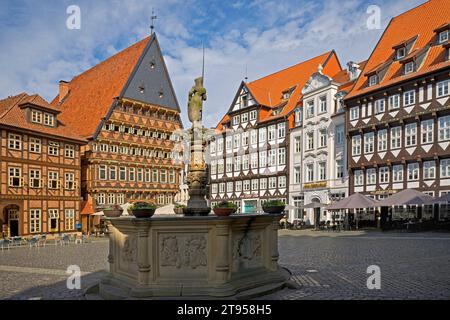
[154,17]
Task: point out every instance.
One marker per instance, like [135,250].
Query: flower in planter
[143,206]
[225,205]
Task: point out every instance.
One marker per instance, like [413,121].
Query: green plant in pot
[224,209]
[143,210]
[113,211]
[274,207]
[179,208]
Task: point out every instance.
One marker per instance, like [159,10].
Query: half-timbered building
[250,153]
[398,113]
[40,168]
[127,109]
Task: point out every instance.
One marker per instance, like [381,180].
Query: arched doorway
[11,220]
[317,212]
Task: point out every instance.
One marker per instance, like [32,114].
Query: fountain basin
[193,257]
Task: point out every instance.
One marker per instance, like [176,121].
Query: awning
[355,201]
[407,197]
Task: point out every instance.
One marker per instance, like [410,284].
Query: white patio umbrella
[125,209]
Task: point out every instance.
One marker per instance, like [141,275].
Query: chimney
[63,90]
[353,70]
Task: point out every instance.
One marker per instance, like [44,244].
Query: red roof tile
[13,115]
[92,93]
[422,22]
[87,207]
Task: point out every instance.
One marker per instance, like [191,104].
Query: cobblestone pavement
[326,266]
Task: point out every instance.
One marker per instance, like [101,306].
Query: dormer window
[286,96]
[401,53]
[49,120]
[373,80]
[443,36]
[409,67]
[142,89]
[36,116]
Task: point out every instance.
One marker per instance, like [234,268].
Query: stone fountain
[195,256]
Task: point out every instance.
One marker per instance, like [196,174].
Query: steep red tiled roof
[92,93]
[268,91]
[37,100]
[87,207]
[422,22]
[12,115]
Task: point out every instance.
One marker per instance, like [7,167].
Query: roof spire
[154,17]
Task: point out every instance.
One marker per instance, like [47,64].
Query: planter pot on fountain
[225,209]
[143,210]
[274,207]
[113,211]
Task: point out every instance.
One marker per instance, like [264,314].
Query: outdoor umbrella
[355,201]
[441,200]
[125,208]
[407,197]
[315,205]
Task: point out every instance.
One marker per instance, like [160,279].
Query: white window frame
[69,151]
[444,128]
[53,148]
[35,220]
[398,174]
[13,174]
[427,131]
[356,145]
[445,168]
[354,113]
[413,171]
[369,143]
[411,135]
[14,142]
[384,175]
[35,145]
[429,170]
[409,98]
[443,89]
[380,106]
[394,102]
[396,138]
[382,136]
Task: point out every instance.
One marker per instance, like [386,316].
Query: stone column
[222,253]
[274,245]
[112,232]
[143,259]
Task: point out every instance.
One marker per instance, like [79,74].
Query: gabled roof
[13,115]
[92,93]
[422,22]
[268,91]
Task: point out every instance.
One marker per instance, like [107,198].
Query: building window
[373,80]
[53,180]
[214,188]
[49,120]
[35,145]
[35,220]
[379,106]
[310,109]
[148,175]
[371,176]
[298,116]
[443,36]
[384,175]
[444,128]
[228,144]
[237,141]
[263,184]
[262,135]
[356,145]
[394,102]
[272,133]
[427,131]
[122,173]
[220,145]
[35,179]
[230,187]
[297,175]
[281,156]
[396,138]
[253,115]
[163,176]
[397,173]
[297,144]
[113,173]
[70,181]
[53,148]
[36,116]
[382,140]
[237,164]
[429,170]
[323,104]
[111,198]
[69,219]
[101,199]
[443,88]
[212,147]
[171,176]
[245,139]
[255,185]
[14,141]
[445,168]
[238,186]
[401,53]
[281,130]
[132,174]
[413,172]
[236,120]
[309,172]
[281,182]
[246,185]
[411,134]
[120,198]
[322,171]
[354,113]
[254,161]
[409,98]
[155,177]
[369,141]
[253,137]
[323,138]
[339,169]
[102,172]
[340,137]
[262,159]
[244,117]
[409,67]
[272,158]
[229,165]
[15,177]
[220,166]
[359,178]
[272,183]
[69,151]
[140,175]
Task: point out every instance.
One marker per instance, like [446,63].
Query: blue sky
[262,36]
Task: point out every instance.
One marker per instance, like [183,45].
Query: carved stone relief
[129,252]
[183,251]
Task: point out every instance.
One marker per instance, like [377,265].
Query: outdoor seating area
[43,240]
